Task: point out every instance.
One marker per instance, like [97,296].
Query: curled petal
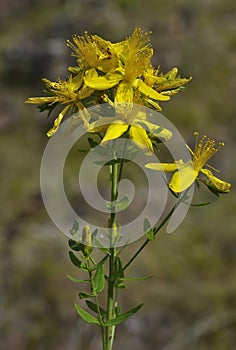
[221,185]
[57,122]
[40,100]
[149,92]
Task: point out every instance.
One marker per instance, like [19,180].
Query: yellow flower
[132,121]
[66,93]
[93,52]
[185,173]
[135,54]
[168,84]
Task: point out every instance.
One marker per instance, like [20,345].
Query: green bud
[87,241]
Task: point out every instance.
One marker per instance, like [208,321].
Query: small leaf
[99,280]
[92,142]
[75,228]
[74,245]
[84,295]
[101,262]
[122,205]
[119,273]
[138,278]
[87,317]
[76,280]
[94,308]
[148,230]
[75,261]
[122,317]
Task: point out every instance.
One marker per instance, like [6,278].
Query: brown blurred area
[191,302]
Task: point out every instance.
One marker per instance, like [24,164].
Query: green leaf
[75,261]
[85,295]
[93,143]
[94,308]
[122,317]
[101,262]
[119,273]
[99,280]
[75,228]
[112,161]
[87,317]
[148,230]
[122,205]
[74,245]
[76,280]
[138,278]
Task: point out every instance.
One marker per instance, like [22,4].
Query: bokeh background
[190,304]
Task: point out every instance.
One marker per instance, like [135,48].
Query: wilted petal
[221,185]
[149,92]
[57,122]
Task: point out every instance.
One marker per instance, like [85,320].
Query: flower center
[204,150]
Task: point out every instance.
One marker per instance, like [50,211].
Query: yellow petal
[57,122]
[115,130]
[139,136]
[101,124]
[157,131]
[39,100]
[183,178]
[167,167]
[149,92]
[124,93]
[104,82]
[219,184]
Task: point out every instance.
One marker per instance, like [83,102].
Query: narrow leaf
[94,307]
[84,295]
[99,280]
[122,317]
[92,142]
[87,317]
[138,278]
[74,245]
[76,280]
[75,261]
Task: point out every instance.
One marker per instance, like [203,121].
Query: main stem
[112,225]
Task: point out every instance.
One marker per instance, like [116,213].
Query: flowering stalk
[112,224]
[122,76]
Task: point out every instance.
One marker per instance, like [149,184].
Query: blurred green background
[190,304]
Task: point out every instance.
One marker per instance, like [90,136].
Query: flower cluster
[117,73]
[122,75]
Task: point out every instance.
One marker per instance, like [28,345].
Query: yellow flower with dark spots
[135,55]
[92,51]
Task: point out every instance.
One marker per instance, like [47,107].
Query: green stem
[110,332]
[155,230]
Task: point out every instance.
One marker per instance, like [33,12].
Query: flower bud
[87,241]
